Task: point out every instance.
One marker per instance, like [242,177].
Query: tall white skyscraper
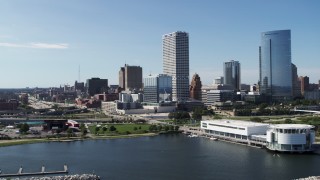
[176,63]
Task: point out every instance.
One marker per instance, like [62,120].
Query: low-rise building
[234,128]
[290,137]
[280,137]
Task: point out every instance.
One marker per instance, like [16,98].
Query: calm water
[159,157]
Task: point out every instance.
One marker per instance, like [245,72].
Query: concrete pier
[42,172]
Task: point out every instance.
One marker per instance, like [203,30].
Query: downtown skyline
[42,44]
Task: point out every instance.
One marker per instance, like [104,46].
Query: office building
[275,65]
[122,79]
[296,92]
[176,63]
[304,84]
[195,87]
[157,88]
[130,77]
[96,86]
[79,86]
[219,80]
[232,74]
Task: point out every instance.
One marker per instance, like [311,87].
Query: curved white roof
[292,126]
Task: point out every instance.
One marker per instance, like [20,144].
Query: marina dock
[42,172]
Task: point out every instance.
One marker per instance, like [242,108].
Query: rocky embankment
[67,177]
[310,178]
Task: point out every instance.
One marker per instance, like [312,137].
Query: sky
[43,43]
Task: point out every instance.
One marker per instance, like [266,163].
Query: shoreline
[14,142]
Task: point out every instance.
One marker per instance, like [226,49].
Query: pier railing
[42,172]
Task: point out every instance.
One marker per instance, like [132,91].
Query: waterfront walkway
[199,132]
[43,172]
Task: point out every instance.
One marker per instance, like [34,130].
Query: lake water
[159,157]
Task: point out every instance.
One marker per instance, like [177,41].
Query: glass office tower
[275,65]
[231,72]
[157,88]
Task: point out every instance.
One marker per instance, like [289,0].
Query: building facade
[218,80]
[290,137]
[122,79]
[157,88]
[176,63]
[96,86]
[275,65]
[234,128]
[195,87]
[232,74]
[130,77]
[295,81]
[304,84]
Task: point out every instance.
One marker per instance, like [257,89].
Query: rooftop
[292,126]
[237,123]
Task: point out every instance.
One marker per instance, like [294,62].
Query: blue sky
[42,43]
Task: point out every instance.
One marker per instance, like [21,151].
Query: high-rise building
[96,86]
[79,86]
[296,92]
[122,79]
[232,74]
[275,65]
[195,87]
[157,88]
[130,77]
[176,63]
[218,80]
[304,80]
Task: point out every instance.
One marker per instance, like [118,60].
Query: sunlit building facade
[231,71]
[157,88]
[275,65]
[176,63]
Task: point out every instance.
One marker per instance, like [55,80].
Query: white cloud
[36,45]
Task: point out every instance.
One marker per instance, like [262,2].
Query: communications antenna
[79,74]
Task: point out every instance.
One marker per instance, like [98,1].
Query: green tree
[84,132]
[97,129]
[171,128]
[176,128]
[197,114]
[104,129]
[69,131]
[256,119]
[112,128]
[166,128]
[263,106]
[152,128]
[185,115]
[24,128]
[82,126]
[288,121]
[135,128]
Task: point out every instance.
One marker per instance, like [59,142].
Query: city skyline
[42,44]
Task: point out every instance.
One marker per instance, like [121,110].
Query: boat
[213,139]
[192,135]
